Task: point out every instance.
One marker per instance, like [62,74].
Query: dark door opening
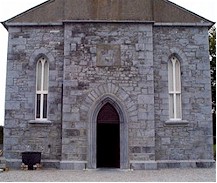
[108,138]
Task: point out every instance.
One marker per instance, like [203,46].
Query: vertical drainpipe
[61,118]
[61,104]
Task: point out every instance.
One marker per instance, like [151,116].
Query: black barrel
[31,158]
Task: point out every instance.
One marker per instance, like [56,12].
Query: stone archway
[92,130]
[108,138]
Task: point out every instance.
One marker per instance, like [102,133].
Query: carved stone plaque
[108,55]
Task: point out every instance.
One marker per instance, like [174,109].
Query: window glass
[178,106]
[39,73]
[38,105]
[171,106]
[45,106]
[45,87]
[170,75]
[177,75]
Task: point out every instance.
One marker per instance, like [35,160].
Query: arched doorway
[108,137]
[92,130]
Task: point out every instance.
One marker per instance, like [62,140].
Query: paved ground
[164,175]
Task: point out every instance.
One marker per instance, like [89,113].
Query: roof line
[184,9]
[109,21]
[27,11]
[31,24]
[5,26]
[207,24]
[10,22]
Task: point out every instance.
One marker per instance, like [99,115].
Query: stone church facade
[116,84]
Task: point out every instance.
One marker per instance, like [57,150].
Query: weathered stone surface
[182,142]
[123,64]
[72,132]
[20,91]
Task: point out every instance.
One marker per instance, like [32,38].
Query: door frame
[92,141]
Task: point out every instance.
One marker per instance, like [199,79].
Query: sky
[10,8]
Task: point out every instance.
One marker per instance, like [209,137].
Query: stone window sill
[176,122]
[40,121]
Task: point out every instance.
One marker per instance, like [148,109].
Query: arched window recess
[175,93]
[42,70]
[174,82]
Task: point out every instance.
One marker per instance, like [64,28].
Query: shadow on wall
[214,134]
[1,138]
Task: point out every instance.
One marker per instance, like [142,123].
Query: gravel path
[164,175]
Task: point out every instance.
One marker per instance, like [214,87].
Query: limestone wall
[94,63]
[108,59]
[193,140]
[26,44]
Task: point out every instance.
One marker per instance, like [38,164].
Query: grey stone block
[152,165]
[67,165]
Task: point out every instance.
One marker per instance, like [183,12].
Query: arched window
[41,88]
[174,82]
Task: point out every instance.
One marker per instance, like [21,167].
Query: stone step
[2,160]
[3,166]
